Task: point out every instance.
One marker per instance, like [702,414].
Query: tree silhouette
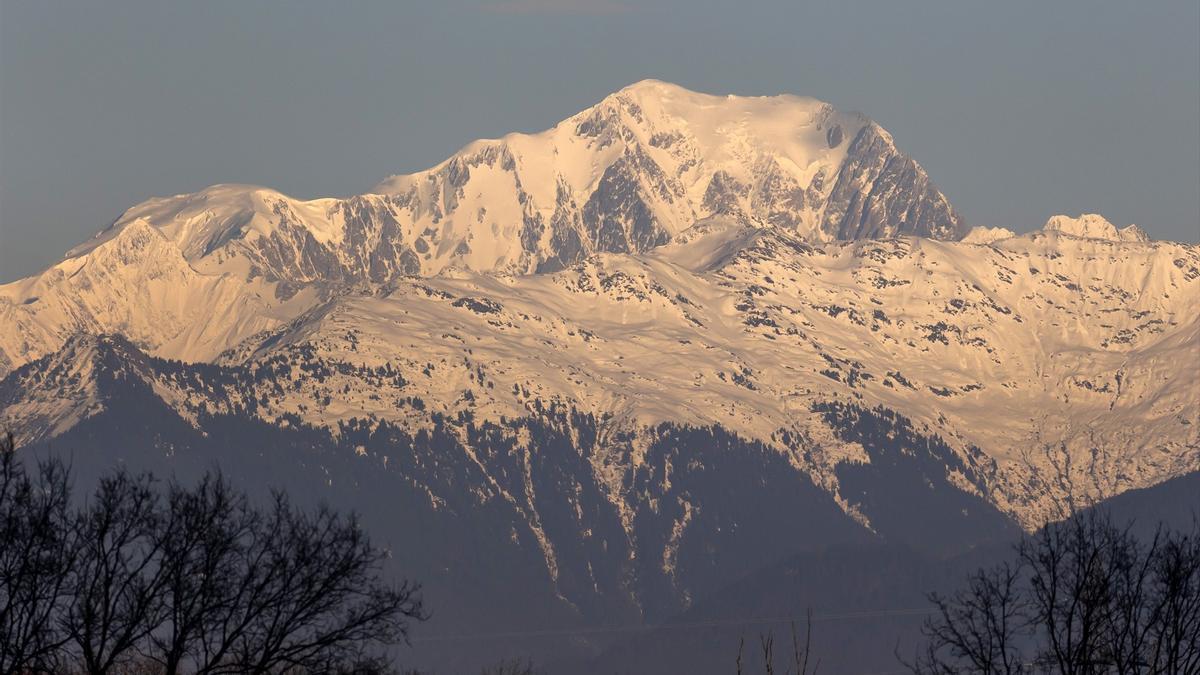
[36,560]
[798,659]
[116,600]
[186,579]
[1084,597]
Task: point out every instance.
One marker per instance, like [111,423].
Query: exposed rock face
[880,193]
[618,217]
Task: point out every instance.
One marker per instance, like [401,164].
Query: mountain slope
[139,283]
[1054,355]
[532,496]
[868,602]
[1046,362]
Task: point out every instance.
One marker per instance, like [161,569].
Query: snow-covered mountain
[1095,226]
[631,344]
[623,176]
[1049,360]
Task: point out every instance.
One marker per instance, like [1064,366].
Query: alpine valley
[586,380]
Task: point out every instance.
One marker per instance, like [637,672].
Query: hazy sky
[1019,110]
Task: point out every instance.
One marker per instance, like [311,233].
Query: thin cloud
[557,7]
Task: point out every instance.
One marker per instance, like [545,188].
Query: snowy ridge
[623,176]
[987,235]
[1094,226]
[1055,357]
[138,283]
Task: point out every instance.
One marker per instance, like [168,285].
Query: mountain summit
[1095,226]
[622,176]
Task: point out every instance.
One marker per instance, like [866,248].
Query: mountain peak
[1094,226]
[47,396]
[623,176]
[651,85]
[986,235]
[651,88]
[717,118]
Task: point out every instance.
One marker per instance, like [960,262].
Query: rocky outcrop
[880,193]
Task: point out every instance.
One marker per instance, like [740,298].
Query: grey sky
[1018,110]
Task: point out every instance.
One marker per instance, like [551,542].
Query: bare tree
[799,657]
[978,628]
[36,558]
[117,598]
[766,642]
[1085,597]
[1136,608]
[1072,591]
[200,581]
[204,536]
[285,590]
[1173,643]
[310,596]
